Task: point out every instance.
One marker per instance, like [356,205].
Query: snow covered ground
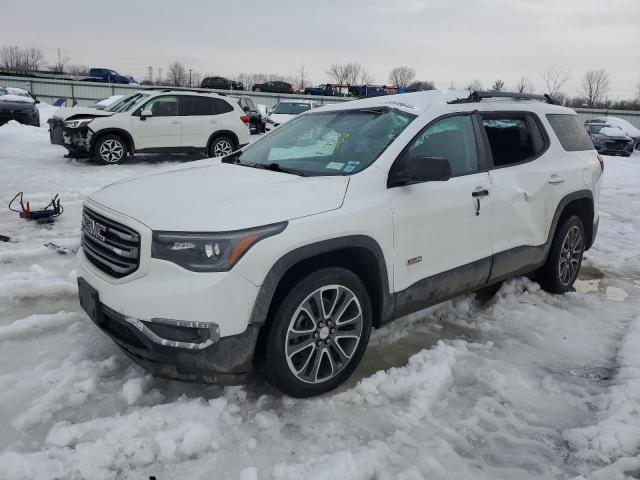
[528,385]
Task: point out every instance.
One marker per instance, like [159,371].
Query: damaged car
[18,104]
[163,121]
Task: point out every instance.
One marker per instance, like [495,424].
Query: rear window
[221,106]
[573,136]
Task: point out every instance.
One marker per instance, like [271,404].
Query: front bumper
[615,147]
[208,359]
[77,141]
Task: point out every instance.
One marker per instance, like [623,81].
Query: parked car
[106,75]
[221,83]
[18,104]
[326,90]
[366,90]
[285,110]
[273,87]
[610,140]
[257,122]
[629,130]
[286,254]
[152,121]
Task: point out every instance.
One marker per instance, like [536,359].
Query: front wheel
[319,333]
[565,257]
[110,150]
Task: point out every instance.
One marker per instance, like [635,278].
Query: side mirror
[37,101]
[419,169]
[145,113]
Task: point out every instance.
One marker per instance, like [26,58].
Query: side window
[452,138]
[251,105]
[163,106]
[192,106]
[510,138]
[573,136]
[220,106]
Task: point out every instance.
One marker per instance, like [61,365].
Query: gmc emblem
[93,228]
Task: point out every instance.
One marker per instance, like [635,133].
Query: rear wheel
[319,333]
[565,257]
[221,146]
[110,150]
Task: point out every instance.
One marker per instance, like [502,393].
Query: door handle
[555,179]
[480,192]
[213,120]
[476,194]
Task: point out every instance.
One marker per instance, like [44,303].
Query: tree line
[593,90]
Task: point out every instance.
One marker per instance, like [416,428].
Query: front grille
[616,145]
[109,245]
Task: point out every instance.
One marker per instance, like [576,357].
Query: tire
[565,257]
[110,150]
[334,346]
[221,146]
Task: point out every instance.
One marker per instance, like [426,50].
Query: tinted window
[291,108]
[163,106]
[196,106]
[571,134]
[221,106]
[452,138]
[510,138]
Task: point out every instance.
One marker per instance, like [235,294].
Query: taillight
[245,119]
[601,160]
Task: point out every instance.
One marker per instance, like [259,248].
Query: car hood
[281,118]
[215,196]
[73,112]
[602,137]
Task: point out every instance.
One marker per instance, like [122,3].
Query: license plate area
[89,300]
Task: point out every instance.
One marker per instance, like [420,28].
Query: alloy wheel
[323,334]
[570,255]
[111,151]
[221,148]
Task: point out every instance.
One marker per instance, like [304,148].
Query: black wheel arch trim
[222,133]
[562,205]
[131,147]
[268,288]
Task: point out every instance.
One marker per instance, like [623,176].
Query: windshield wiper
[232,158]
[275,167]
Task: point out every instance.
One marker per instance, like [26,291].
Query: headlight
[209,252]
[78,123]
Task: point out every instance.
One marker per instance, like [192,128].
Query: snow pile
[109,101]
[612,132]
[10,97]
[616,438]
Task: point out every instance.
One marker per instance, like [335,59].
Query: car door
[198,120]
[162,129]
[443,228]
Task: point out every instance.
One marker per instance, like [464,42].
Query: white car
[285,110]
[152,122]
[284,255]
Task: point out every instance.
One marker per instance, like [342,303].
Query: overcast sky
[443,40]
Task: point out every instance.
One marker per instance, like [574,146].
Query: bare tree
[61,62]
[78,70]
[555,80]
[401,76]
[176,75]
[474,85]
[524,85]
[338,73]
[365,77]
[302,78]
[595,86]
[18,59]
[498,86]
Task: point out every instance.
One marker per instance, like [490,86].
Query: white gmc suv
[153,121]
[283,255]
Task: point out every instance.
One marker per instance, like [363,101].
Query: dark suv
[607,140]
[18,104]
[273,87]
[221,83]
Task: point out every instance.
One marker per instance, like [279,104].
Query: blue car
[106,75]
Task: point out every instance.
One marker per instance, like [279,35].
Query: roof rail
[475,97]
[183,89]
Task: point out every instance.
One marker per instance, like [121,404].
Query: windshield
[127,103]
[327,143]
[291,108]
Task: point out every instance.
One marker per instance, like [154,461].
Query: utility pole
[159,75]
[190,78]
[150,74]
